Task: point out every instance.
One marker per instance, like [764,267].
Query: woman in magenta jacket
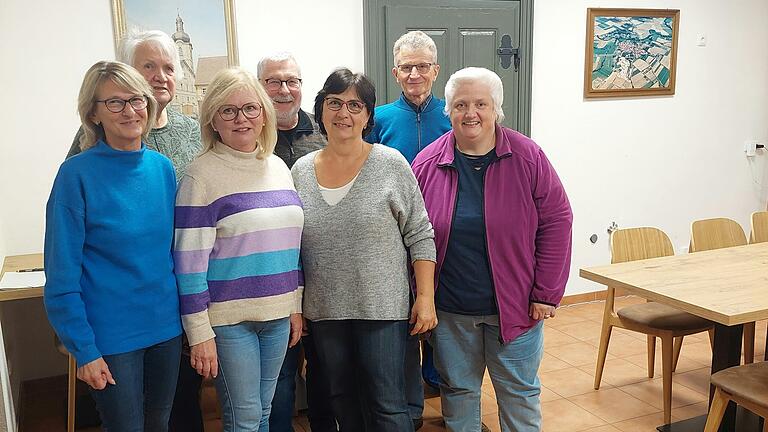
[502,225]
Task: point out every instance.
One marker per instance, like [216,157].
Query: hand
[203,358]
[297,328]
[423,315]
[540,311]
[96,374]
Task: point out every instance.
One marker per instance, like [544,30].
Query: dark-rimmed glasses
[353,106]
[421,68]
[275,84]
[117,105]
[229,112]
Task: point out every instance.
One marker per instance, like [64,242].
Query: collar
[305,123]
[417,108]
[503,147]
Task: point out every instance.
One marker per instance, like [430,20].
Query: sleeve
[553,236]
[194,238]
[75,148]
[63,254]
[408,208]
[195,139]
[300,290]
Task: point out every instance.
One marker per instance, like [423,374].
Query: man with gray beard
[297,135]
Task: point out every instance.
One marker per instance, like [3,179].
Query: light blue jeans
[464,346]
[250,356]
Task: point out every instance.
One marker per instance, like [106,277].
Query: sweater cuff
[87,355]
[423,250]
[299,298]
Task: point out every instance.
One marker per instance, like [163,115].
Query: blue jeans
[250,356]
[319,411]
[142,397]
[464,346]
[364,362]
[414,389]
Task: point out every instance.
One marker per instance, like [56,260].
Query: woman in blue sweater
[110,292]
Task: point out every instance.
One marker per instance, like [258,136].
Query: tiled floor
[627,401]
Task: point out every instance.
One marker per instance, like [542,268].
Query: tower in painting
[186,95]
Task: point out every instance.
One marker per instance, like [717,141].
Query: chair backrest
[708,234]
[632,244]
[759,227]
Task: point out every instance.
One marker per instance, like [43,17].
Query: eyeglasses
[353,106]
[421,68]
[117,105]
[275,84]
[229,112]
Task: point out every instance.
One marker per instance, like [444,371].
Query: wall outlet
[750,148]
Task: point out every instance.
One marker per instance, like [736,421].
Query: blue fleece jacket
[407,128]
[110,287]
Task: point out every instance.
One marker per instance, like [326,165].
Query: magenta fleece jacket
[527,218]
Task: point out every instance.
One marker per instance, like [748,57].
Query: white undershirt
[332,196]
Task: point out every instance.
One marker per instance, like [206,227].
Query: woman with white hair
[238,230]
[110,291]
[503,234]
[154,54]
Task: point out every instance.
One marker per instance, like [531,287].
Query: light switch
[701,39]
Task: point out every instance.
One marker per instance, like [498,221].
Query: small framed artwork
[630,52]
[204,34]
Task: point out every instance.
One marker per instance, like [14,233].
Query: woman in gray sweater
[364,216]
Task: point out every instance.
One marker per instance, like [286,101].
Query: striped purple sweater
[236,249]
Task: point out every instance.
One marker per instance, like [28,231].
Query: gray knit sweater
[355,254]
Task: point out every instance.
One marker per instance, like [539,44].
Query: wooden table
[728,286]
[29,261]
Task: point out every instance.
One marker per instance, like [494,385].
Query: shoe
[484,428]
[418,423]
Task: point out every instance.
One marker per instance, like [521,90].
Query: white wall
[651,161]
[323,35]
[662,161]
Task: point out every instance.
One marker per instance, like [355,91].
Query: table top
[728,286]
[19,262]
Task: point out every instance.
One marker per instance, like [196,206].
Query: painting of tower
[186,96]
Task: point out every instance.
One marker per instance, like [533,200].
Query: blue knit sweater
[110,287]
[409,129]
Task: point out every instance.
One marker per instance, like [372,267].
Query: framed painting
[630,52]
[203,31]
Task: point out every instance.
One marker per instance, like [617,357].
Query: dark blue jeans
[142,397]
[319,411]
[364,362]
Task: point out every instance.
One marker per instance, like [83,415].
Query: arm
[553,238]
[423,315]
[195,234]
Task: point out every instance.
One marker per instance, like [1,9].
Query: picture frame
[630,52]
[206,45]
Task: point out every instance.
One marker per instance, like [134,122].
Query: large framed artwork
[204,33]
[630,52]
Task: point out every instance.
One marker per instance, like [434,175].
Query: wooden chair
[745,385]
[652,319]
[759,234]
[717,233]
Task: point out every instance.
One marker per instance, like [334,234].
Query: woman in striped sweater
[238,232]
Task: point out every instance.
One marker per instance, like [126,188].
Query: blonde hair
[125,77]
[226,82]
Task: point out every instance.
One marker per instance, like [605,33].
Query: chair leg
[651,355]
[676,352]
[716,411]
[711,332]
[749,343]
[605,337]
[71,393]
[666,373]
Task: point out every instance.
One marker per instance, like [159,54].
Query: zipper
[488,257]
[418,130]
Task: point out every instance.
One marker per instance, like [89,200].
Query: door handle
[508,54]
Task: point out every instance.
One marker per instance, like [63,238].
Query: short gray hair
[480,75]
[415,40]
[276,57]
[126,51]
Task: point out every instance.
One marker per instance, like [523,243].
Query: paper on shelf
[22,280]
